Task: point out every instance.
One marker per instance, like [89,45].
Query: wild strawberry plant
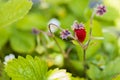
[86,51]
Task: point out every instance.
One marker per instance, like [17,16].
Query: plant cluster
[59,40]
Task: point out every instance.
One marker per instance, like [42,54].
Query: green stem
[90,33]
[86,46]
[38,40]
[62,51]
[84,62]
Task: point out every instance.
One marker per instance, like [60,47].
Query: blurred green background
[103,56]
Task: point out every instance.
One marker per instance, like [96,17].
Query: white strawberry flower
[8,58]
[57,74]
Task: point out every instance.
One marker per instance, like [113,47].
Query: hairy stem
[86,46]
[91,25]
[62,51]
[84,62]
[38,40]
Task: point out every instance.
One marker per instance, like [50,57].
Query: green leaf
[30,21]
[110,44]
[116,77]
[22,42]
[111,69]
[27,68]
[13,10]
[94,73]
[4,35]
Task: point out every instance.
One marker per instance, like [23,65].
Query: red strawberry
[79,30]
[80,34]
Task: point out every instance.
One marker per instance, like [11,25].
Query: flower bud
[100,10]
[64,34]
[35,31]
[56,24]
